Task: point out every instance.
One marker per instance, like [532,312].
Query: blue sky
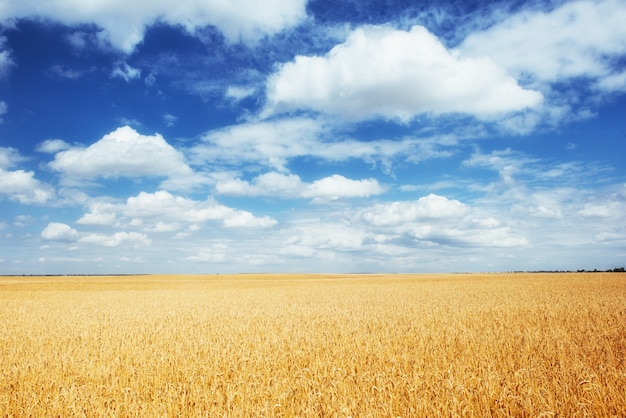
[311,136]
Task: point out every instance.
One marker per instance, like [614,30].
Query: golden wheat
[306,345]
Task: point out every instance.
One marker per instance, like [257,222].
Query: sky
[314,136]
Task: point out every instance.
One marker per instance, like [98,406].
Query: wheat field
[519,345]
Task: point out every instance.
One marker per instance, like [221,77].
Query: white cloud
[79,39]
[290,185]
[612,82]
[216,253]
[237,93]
[611,207]
[245,219]
[322,235]
[506,162]
[266,143]
[59,232]
[123,22]
[52,146]
[125,72]
[577,39]
[149,210]
[3,109]
[63,72]
[134,238]
[434,221]
[6,61]
[548,204]
[337,186]
[403,212]
[123,153]
[100,214]
[23,187]
[268,184]
[274,143]
[9,157]
[383,72]
[170,120]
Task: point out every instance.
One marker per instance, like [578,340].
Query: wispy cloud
[125,72]
[273,143]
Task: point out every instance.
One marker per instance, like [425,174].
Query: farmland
[314,345]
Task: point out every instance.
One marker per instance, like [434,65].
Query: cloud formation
[550,46]
[63,233]
[275,143]
[123,22]
[134,238]
[435,220]
[146,210]
[395,74]
[425,208]
[121,153]
[20,185]
[56,231]
[6,61]
[302,136]
[290,185]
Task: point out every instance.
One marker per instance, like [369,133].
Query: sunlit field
[309,345]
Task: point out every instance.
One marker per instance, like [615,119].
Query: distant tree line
[615,270]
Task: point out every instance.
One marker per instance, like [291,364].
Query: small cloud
[337,186]
[51,146]
[23,187]
[150,80]
[77,40]
[9,157]
[100,214]
[135,238]
[122,153]
[62,72]
[613,82]
[268,184]
[399,213]
[129,121]
[59,232]
[216,253]
[289,185]
[170,120]
[236,93]
[571,146]
[245,219]
[81,39]
[125,71]
[21,220]
[6,61]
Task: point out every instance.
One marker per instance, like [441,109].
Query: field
[314,345]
